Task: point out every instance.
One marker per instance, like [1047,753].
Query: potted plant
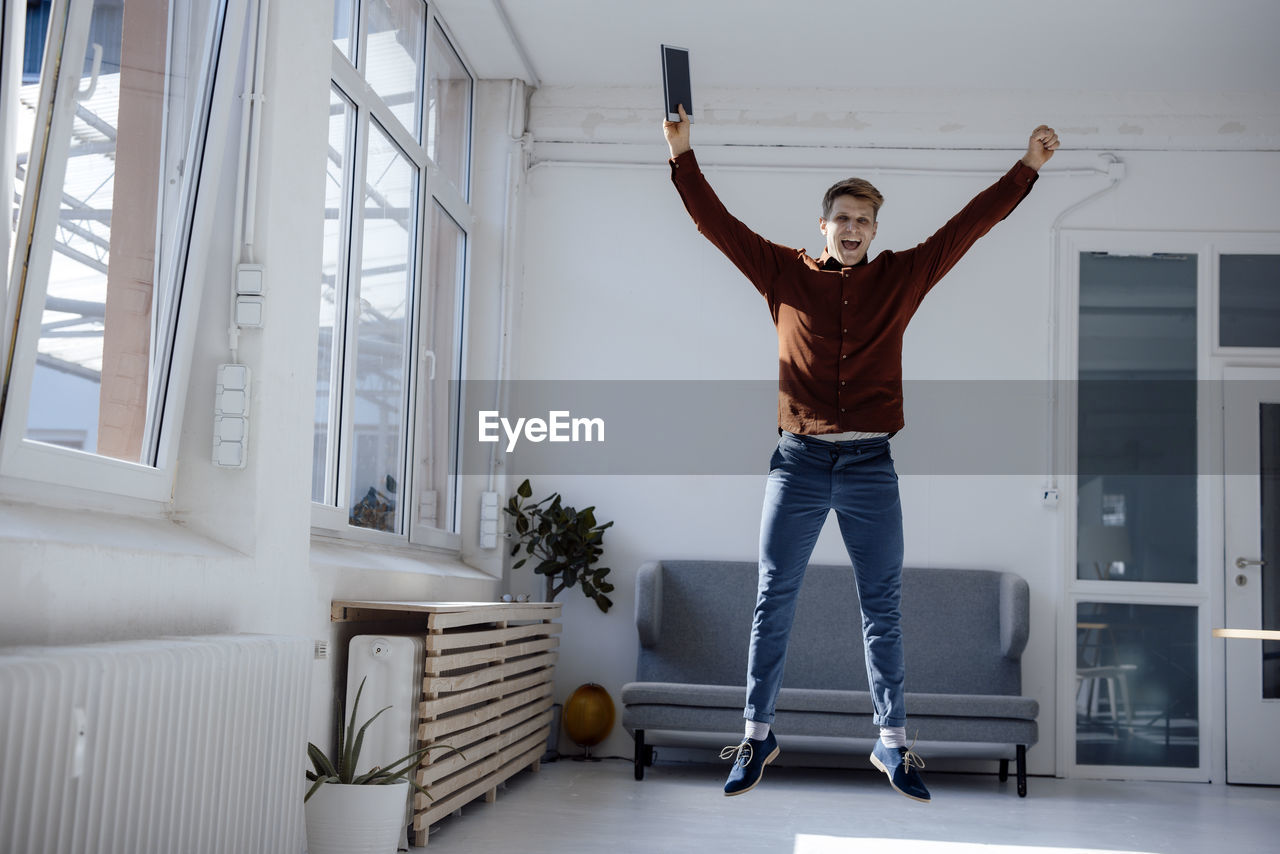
[349,813]
[567,543]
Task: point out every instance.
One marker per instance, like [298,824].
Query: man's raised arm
[931,260]
[759,260]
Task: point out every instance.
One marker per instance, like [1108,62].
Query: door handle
[1242,562]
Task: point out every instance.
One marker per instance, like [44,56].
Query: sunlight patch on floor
[807,843]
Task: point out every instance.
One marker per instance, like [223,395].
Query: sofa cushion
[961,628]
[822,700]
[726,724]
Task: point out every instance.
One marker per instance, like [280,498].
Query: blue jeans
[808,478]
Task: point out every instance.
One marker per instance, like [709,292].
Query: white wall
[234,553]
[619,285]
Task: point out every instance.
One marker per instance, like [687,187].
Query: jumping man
[840,322]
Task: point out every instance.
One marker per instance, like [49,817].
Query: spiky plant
[350,741]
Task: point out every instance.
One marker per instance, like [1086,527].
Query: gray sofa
[964,631]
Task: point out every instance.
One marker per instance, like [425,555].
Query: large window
[109,170]
[391,293]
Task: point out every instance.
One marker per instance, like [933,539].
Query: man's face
[850,230]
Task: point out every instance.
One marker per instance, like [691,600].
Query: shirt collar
[827,261]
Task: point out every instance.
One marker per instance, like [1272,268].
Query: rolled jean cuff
[758,717]
[883,720]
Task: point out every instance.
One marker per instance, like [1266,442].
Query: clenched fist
[1044,141]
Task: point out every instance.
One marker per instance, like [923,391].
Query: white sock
[893,736]
[757,731]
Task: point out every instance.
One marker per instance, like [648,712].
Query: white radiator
[172,746]
[390,668]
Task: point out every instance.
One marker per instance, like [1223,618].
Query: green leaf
[525,490]
[318,783]
[324,766]
[391,772]
[355,754]
[421,790]
[346,736]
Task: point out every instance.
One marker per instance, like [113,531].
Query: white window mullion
[419,373]
[348,219]
[446,194]
[351,318]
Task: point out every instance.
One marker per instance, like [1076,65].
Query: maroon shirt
[840,328]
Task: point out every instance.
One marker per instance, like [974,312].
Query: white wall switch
[249,279]
[249,311]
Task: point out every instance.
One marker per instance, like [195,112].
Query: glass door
[1136,594]
[1252,571]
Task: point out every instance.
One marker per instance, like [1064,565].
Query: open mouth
[850,245]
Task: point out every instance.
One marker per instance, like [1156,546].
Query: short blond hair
[856,187]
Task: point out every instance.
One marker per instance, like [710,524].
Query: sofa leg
[1022,770]
[641,752]
[1004,770]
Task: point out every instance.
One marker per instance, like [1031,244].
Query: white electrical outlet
[488,520]
[231,417]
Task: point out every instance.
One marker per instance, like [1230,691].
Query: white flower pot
[344,819]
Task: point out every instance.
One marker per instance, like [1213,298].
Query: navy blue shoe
[749,759]
[900,764]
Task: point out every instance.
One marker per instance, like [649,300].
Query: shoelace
[739,753]
[910,757]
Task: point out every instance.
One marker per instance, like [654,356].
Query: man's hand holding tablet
[677,133]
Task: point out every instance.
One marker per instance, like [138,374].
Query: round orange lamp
[588,717]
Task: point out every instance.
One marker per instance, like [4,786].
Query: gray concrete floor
[569,807]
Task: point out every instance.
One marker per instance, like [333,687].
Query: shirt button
[844,330]
[846,302]
[842,409]
[844,355]
[841,382]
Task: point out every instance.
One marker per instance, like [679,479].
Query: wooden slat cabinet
[486,691]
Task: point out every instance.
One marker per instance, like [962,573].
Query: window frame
[1236,243]
[12,40]
[72,472]
[331,521]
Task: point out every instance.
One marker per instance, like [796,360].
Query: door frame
[1269,374]
[1206,593]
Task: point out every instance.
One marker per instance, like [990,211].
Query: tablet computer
[675,82]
